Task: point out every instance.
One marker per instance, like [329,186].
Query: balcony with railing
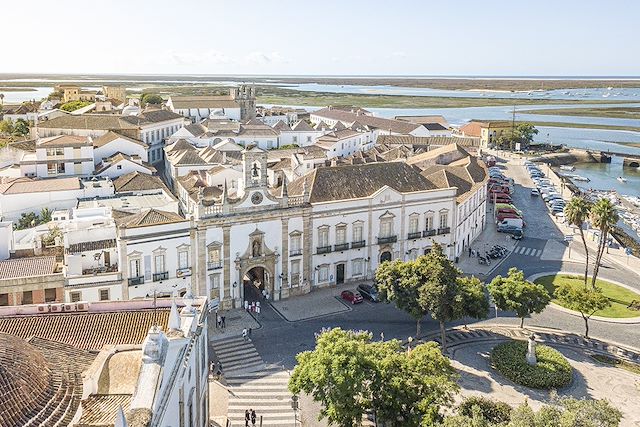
[295,252]
[341,247]
[133,281]
[323,249]
[414,235]
[444,230]
[358,244]
[429,233]
[387,239]
[214,265]
[160,276]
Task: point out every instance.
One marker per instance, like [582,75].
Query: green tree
[45,215]
[399,282]
[6,127]
[27,220]
[473,301]
[74,105]
[409,388]
[351,375]
[56,94]
[603,217]
[336,374]
[585,300]
[150,98]
[514,293]
[577,212]
[430,285]
[523,133]
[21,127]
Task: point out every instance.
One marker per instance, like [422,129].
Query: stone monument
[531,350]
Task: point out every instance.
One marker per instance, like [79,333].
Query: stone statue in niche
[255,251]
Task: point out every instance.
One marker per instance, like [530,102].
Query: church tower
[254,162]
[245,96]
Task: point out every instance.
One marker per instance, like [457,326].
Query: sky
[322,37]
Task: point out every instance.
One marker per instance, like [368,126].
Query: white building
[239,104]
[300,133]
[113,143]
[63,155]
[380,126]
[24,195]
[345,142]
[150,127]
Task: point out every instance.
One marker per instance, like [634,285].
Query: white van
[514,222]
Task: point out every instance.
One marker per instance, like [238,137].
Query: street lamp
[295,406]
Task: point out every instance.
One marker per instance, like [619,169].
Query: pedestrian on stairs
[247,418]
[253,418]
[224,321]
[244,334]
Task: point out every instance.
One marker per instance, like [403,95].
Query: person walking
[469,251]
[247,418]
[253,418]
[224,323]
[218,321]
[249,332]
[244,334]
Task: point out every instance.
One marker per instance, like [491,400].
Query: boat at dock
[578,178]
[621,179]
[567,168]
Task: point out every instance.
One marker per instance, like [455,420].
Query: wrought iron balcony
[160,276]
[214,265]
[429,233]
[341,247]
[445,230]
[415,235]
[324,249]
[388,239]
[136,280]
[358,244]
[295,252]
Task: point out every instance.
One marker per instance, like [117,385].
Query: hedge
[493,411]
[552,370]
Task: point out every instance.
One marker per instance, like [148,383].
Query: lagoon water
[603,177]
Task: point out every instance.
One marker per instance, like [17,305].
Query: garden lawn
[620,297]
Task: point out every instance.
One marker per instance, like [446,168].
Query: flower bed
[552,370]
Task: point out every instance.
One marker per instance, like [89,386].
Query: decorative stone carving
[531,350]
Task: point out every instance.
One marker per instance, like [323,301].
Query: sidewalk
[484,242]
[236,320]
[318,303]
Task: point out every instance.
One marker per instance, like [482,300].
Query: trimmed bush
[493,411]
[552,370]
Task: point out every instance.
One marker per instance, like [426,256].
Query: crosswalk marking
[526,251]
[254,385]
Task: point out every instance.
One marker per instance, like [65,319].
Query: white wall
[120,145]
[124,167]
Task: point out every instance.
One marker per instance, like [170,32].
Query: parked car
[501,206]
[351,296]
[515,222]
[509,211]
[502,216]
[517,234]
[509,229]
[535,192]
[369,292]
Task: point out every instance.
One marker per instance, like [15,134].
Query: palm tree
[577,212]
[603,217]
[1,100]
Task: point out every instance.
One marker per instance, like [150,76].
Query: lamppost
[295,406]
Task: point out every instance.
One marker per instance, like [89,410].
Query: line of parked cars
[509,219]
[363,291]
[546,190]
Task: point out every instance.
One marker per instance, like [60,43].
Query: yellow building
[488,132]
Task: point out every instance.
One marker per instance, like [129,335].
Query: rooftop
[396,126]
[137,181]
[27,267]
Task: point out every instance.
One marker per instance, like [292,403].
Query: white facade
[120,145]
[471,218]
[60,161]
[122,167]
[37,197]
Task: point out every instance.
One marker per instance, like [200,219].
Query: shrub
[492,411]
[552,370]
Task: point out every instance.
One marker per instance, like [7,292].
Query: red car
[352,297]
[508,211]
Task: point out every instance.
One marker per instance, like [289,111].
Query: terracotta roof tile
[87,331]
[27,267]
[150,217]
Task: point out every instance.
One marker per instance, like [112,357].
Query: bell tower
[254,162]
[245,96]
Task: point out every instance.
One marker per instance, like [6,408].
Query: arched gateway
[256,268]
